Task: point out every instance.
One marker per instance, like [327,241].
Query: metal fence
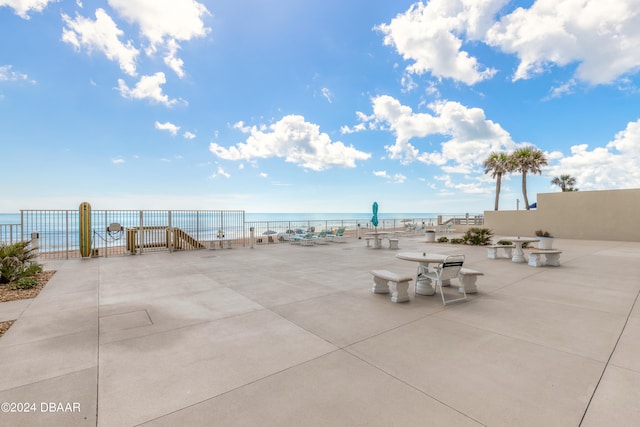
[279,231]
[10,233]
[56,233]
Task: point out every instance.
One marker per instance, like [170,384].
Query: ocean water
[9,218]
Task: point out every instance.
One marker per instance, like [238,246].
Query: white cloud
[295,140]
[563,89]
[102,35]
[149,87]
[118,161]
[357,128]
[220,172]
[327,94]
[23,7]
[430,34]
[465,187]
[164,23]
[362,126]
[469,135]
[615,166]
[603,37]
[171,59]
[7,75]
[263,175]
[189,135]
[407,83]
[164,19]
[168,126]
[397,178]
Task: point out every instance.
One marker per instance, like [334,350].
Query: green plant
[25,283]
[498,164]
[10,269]
[16,261]
[477,236]
[443,239]
[505,242]
[565,182]
[543,233]
[457,241]
[528,160]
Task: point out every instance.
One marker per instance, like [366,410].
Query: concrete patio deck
[283,335]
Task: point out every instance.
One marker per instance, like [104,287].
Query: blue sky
[312,106]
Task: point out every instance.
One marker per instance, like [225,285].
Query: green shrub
[477,236]
[505,242]
[457,241]
[443,239]
[17,261]
[25,283]
[10,269]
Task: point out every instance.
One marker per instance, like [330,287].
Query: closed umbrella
[374,218]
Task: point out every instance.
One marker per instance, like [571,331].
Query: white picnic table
[423,284]
[518,254]
[378,236]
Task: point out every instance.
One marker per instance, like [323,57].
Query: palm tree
[528,160]
[565,182]
[498,164]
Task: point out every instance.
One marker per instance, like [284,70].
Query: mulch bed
[9,294]
[4,326]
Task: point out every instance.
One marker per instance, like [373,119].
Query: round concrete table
[377,238]
[423,284]
[518,254]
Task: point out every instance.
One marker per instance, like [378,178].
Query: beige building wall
[591,215]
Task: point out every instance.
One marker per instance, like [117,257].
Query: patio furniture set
[378,236]
[434,272]
[309,238]
[537,257]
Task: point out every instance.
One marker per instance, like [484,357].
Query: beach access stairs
[159,236]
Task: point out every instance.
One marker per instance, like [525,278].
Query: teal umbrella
[374,218]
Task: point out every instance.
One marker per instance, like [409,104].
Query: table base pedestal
[424,287]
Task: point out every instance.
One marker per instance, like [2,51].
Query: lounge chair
[446,229]
[338,237]
[321,238]
[304,240]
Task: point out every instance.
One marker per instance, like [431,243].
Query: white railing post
[66,232]
[141,232]
[35,243]
[170,235]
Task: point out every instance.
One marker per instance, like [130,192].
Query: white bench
[223,243]
[385,281]
[393,243]
[492,251]
[369,239]
[467,278]
[552,258]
